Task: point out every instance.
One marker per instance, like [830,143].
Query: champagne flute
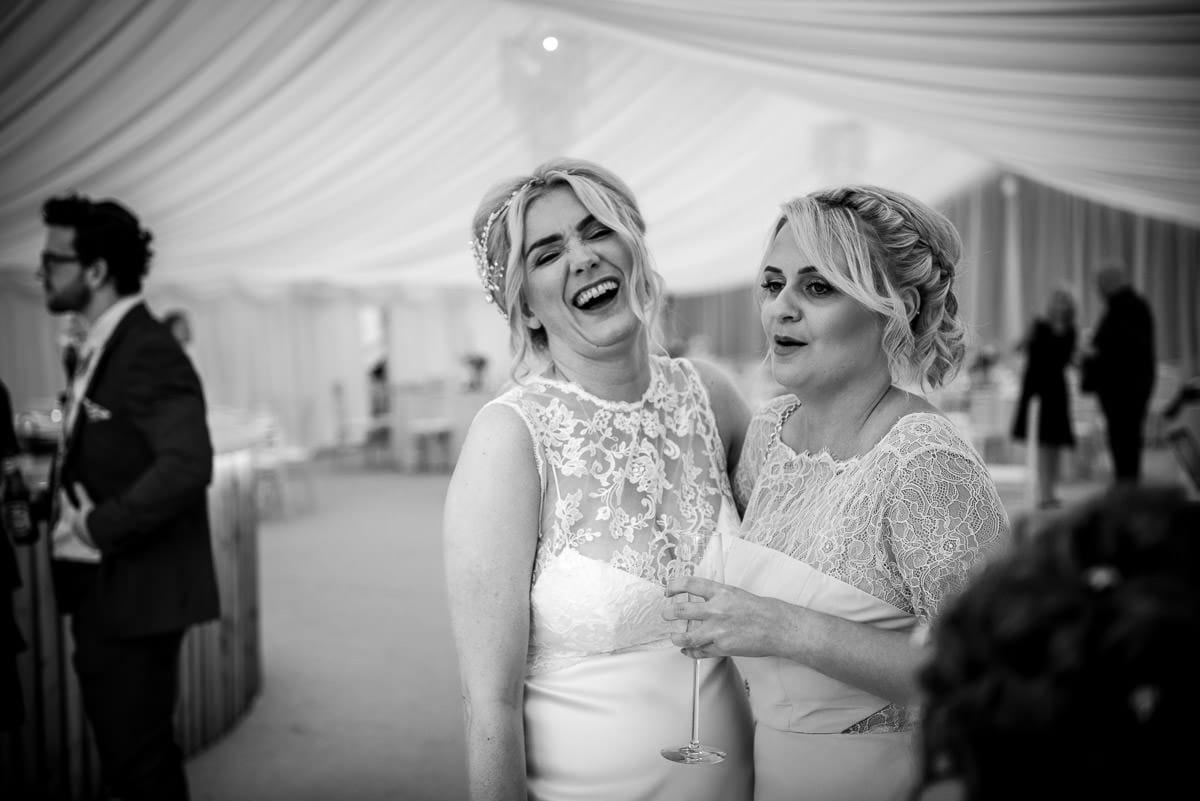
[701,555]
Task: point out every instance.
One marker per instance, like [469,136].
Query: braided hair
[1059,671]
[886,245]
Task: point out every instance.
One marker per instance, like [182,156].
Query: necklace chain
[783,418]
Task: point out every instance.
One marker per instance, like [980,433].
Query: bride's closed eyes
[546,252]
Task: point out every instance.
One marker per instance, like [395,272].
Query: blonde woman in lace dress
[864,509]
[561,519]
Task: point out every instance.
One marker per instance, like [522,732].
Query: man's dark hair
[105,229]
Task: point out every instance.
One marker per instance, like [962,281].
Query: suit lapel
[132,319]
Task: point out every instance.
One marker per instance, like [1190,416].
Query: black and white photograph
[598,400]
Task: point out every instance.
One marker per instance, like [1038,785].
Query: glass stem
[695,703]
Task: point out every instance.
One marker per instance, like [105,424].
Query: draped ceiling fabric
[1097,97]
[296,159]
[347,143]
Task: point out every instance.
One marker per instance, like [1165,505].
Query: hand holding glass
[702,555]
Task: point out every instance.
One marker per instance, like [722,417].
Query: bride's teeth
[588,294]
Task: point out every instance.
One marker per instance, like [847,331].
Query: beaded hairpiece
[492,273]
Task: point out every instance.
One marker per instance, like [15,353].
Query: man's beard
[74,297]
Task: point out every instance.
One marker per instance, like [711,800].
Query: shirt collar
[101,330]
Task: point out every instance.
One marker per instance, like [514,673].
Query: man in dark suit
[133,562]
[1120,368]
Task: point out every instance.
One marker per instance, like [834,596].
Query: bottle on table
[15,512]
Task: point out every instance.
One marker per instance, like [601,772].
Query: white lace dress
[882,538]
[605,689]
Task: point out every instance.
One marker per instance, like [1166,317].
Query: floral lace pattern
[906,522]
[623,482]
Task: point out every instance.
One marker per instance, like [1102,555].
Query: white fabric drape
[274,142]
[1096,97]
[295,158]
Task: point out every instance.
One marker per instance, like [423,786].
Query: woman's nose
[783,307]
[581,257]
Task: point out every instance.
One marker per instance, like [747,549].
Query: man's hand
[74,518]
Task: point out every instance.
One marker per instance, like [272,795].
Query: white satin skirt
[791,766]
[800,753]
[594,730]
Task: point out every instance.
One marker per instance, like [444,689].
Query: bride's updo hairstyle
[876,245]
[498,234]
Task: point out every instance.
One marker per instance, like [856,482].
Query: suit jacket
[141,448]
[1123,367]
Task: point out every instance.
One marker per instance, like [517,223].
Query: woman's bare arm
[490,537]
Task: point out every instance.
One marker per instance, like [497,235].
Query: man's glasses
[52,260]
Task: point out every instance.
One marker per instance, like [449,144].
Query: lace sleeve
[754,451]
[943,518]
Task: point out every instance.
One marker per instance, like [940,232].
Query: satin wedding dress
[882,538]
[605,689]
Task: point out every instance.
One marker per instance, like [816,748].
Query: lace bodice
[906,522]
[622,483]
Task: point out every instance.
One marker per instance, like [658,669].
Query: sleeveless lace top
[622,482]
[906,522]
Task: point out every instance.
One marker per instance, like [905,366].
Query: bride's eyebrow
[546,240]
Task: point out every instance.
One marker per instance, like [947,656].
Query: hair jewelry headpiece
[492,273]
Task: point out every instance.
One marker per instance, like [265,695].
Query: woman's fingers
[693,585]
[683,609]
[692,639]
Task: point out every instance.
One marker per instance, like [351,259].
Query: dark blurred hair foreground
[1062,670]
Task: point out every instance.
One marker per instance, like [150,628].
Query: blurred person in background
[12,706]
[566,509]
[1049,349]
[865,508]
[181,328]
[133,563]
[1058,673]
[1119,367]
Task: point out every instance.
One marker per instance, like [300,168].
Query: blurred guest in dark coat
[12,708]
[133,559]
[1120,368]
[1049,349]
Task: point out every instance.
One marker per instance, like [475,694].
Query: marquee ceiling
[344,144]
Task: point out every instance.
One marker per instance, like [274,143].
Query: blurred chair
[1090,454]
[361,440]
[423,425]
[284,474]
[991,413]
[1181,417]
[377,448]
[1167,383]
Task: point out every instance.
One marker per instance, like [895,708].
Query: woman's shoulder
[926,446]
[924,429]
[766,417]
[503,416]
[774,407]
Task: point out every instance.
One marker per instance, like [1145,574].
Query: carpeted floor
[360,686]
